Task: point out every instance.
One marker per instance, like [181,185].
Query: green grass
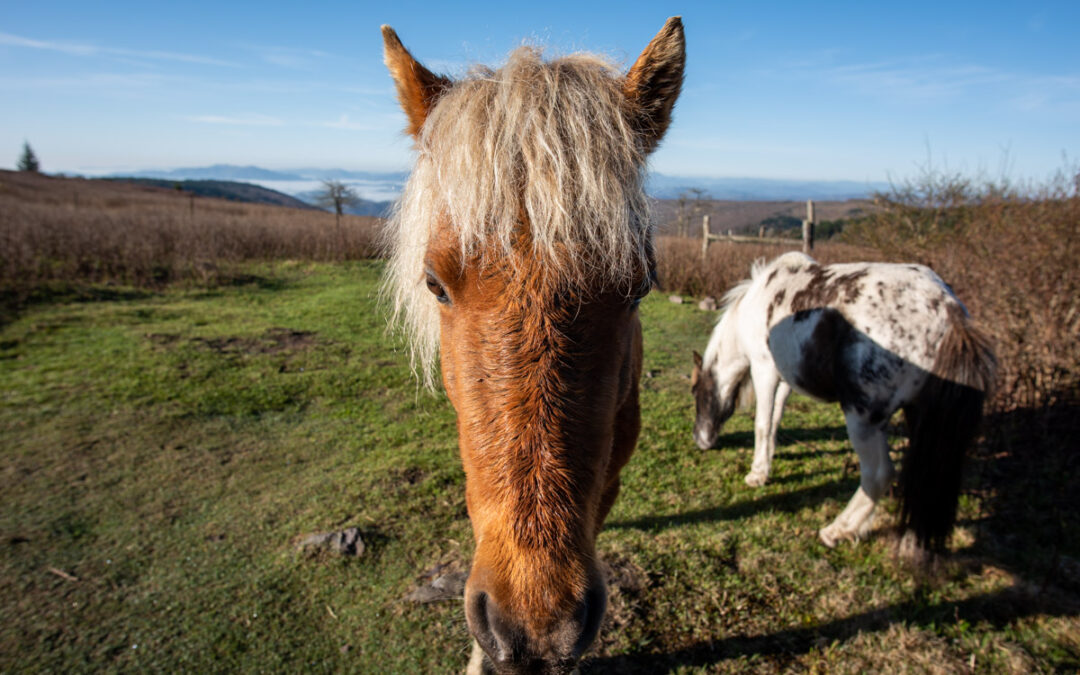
[166,451]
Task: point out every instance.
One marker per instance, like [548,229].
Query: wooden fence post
[704,238]
[808,228]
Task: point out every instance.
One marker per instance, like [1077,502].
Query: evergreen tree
[28,161]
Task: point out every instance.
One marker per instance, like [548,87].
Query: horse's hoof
[756,479]
[827,537]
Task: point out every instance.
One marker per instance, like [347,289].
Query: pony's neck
[724,356]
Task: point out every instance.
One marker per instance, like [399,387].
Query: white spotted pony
[874,337]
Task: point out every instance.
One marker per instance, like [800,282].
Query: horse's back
[866,334]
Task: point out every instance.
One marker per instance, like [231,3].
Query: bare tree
[28,161]
[337,195]
[690,207]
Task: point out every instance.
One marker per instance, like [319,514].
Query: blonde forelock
[547,140]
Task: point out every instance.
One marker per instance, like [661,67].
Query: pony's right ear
[654,81]
[417,87]
[697,359]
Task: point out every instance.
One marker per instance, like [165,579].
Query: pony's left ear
[653,83]
[417,87]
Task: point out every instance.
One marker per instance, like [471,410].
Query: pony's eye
[437,289]
[645,289]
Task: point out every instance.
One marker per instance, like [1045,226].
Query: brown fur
[824,291]
[654,82]
[526,213]
[417,87]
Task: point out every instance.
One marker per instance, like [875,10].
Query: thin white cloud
[99,81]
[377,122]
[81,49]
[915,80]
[937,79]
[297,58]
[241,120]
[66,47]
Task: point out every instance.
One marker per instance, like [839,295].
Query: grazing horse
[519,251]
[876,337]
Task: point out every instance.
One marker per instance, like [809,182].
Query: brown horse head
[518,253]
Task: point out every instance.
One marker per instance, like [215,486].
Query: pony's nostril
[502,640]
[591,613]
[508,646]
[476,612]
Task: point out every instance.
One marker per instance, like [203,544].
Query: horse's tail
[942,423]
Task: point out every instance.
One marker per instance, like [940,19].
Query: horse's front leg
[767,385]
[782,393]
[876,474]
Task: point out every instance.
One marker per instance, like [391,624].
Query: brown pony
[518,253]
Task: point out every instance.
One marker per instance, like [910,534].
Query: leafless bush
[682,270]
[1011,254]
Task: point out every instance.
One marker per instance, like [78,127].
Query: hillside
[222,189]
[77,230]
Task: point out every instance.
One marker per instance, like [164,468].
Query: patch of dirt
[626,583]
[444,581]
[274,341]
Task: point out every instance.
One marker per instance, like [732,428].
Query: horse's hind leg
[768,388]
[876,474]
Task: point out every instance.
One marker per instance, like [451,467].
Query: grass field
[163,451]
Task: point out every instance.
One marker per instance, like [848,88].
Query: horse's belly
[804,347]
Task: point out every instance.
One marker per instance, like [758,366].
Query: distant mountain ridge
[658,185]
[222,189]
[662,186]
[255,173]
[215,172]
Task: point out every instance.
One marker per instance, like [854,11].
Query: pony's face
[544,381]
[534,285]
[714,402]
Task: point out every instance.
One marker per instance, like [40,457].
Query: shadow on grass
[260,282]
[783,501]
[1025,475]
[15,301]
[787,437]
[998,609]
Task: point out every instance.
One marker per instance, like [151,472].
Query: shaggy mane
[547,139]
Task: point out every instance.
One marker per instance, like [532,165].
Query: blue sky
[862,91]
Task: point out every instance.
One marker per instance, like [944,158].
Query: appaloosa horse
[519,250]
[875,337]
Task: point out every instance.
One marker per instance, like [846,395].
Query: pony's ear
[697,359]
[417,87]
[653,83]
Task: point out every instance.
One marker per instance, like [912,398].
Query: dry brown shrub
[1011,254]
[74,230]
[682,270]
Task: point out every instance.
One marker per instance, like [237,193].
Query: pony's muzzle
[509,646]
[704,435]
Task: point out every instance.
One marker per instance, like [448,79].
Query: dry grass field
[56,232]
